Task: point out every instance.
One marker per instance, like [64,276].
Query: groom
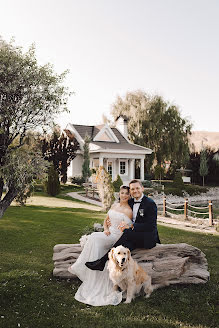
[143,233]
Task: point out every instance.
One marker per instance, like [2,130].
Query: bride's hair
[123,187]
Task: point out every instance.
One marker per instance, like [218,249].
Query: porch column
[142,168]
[100,161]
[132,169]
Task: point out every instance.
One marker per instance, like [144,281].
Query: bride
[96,288]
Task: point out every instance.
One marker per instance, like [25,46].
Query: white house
[109,147]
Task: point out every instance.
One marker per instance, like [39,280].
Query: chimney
[122,125]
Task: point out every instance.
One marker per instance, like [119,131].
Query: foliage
[105,188]
[158,172]
[178,181]
[29,291]
[147,183]
[53,183]
[216,158]
[154,123]
[86,172]
[173,191]
[203,169]
[117,183]
[20,168]
[30,96]
[194,190]
[212,178]
[78,180]
[60,150]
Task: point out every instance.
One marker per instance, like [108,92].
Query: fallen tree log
[166,263]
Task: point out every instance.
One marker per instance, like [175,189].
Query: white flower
[83,240]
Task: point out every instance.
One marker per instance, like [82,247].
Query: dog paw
[127,301]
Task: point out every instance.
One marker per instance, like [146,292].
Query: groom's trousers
[129,239]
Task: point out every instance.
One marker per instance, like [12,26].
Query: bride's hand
[107,232]
[108,222]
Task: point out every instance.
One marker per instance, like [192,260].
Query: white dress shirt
[136,207]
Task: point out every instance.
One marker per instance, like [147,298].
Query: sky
[165,47]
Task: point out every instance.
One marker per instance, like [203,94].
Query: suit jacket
[146,221]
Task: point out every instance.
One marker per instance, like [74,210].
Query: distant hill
[198,139]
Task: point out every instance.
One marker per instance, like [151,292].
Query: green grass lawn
[31,298]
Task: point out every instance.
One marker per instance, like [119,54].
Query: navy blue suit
[144,234]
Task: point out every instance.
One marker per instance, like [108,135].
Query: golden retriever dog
[126,274]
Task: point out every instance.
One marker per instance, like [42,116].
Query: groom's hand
[122,226]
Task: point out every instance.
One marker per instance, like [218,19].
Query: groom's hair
[136,181]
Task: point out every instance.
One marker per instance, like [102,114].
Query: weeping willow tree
[154,123]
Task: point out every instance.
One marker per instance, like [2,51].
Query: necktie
[136,202]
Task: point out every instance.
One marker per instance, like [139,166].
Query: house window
[122,168]
[110,168]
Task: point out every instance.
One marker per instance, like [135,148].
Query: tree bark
[1,187]
[166,263]
[7,200]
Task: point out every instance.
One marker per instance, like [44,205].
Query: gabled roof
[120,143]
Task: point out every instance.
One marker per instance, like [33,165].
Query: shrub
[78,180]
[146,183]
[194,190]
[147,176]
[173,191]
[53,183]
[117,183]
[38,186]
[178,181]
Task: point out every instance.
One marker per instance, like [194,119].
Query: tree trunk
[203,181]
[1,187]
[7,200]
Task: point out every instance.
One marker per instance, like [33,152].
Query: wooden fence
[187,210]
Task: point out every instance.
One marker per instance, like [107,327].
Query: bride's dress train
[96,288]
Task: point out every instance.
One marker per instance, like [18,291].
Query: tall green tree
[156,124]
[203,169]
[30,97]
[86,172]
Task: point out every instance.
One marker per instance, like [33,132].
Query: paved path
[58,202]
[186,225]
[78,196]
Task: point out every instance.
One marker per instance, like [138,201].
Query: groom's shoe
[96,265]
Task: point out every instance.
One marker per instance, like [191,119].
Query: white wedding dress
[96,288]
